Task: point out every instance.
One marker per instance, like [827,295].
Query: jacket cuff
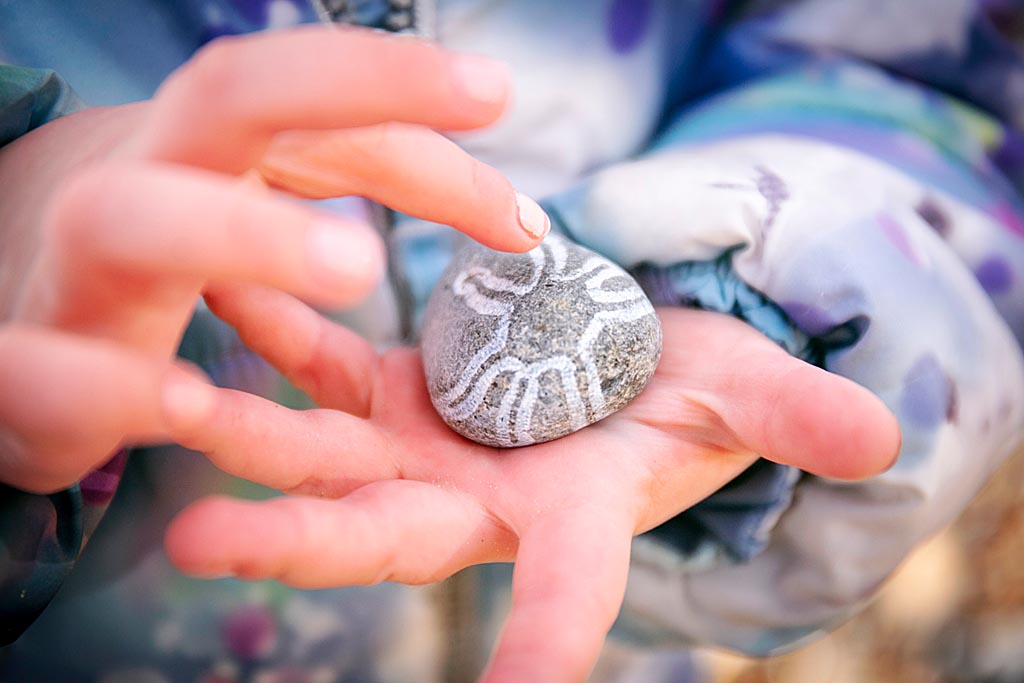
[41,537]
[31,97]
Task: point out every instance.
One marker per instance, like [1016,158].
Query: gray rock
[525,348]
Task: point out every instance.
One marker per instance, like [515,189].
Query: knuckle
[372,143]
[82,204]
[75,200]
[488,187]
[301,521]
[481,179]
[208,78]
[243,214]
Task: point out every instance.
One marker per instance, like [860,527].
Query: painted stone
[524,348]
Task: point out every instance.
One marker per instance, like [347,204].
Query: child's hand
[416,502]
[114,220]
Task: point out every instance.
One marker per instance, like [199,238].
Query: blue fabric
[31,97]
[739,516]
[40,537]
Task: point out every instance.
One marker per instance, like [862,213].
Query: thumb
[785,409]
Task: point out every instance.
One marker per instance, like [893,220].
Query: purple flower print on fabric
[628,21]
[934,216]
[1009,217]
[774,190]
[809,318]
[929,397]
[827,331]
[898,238]
[995,275]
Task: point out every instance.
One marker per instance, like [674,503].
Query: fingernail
[531,217]
[345,256]
[187,400]
[482,79]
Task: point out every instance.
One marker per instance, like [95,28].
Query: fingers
[782,408]
[569,582]
[68,403]
[334,366]
[404,531]
[116,229]
[413,170]
[324,453]
[822,423]
[221,109]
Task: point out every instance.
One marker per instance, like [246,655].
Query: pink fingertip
[532,218]
[345,257]
[482,79]
[187,400]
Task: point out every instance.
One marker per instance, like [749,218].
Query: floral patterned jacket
[845,175]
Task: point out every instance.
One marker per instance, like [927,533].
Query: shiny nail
[531,217]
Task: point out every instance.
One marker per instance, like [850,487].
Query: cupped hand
[114,220]
[386,492]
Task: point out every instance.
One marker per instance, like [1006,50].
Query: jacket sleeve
[31,97]
[40,536]
[826,198]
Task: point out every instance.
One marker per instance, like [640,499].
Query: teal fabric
[40,536]
[31,97]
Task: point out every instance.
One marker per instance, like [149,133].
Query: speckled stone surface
[525,348]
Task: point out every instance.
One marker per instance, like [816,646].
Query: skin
[115,221]
[563,511]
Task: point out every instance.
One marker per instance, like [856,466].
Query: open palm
[387,492]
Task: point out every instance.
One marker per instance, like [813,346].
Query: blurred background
[954,613]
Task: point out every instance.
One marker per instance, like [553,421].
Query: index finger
[221,109]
